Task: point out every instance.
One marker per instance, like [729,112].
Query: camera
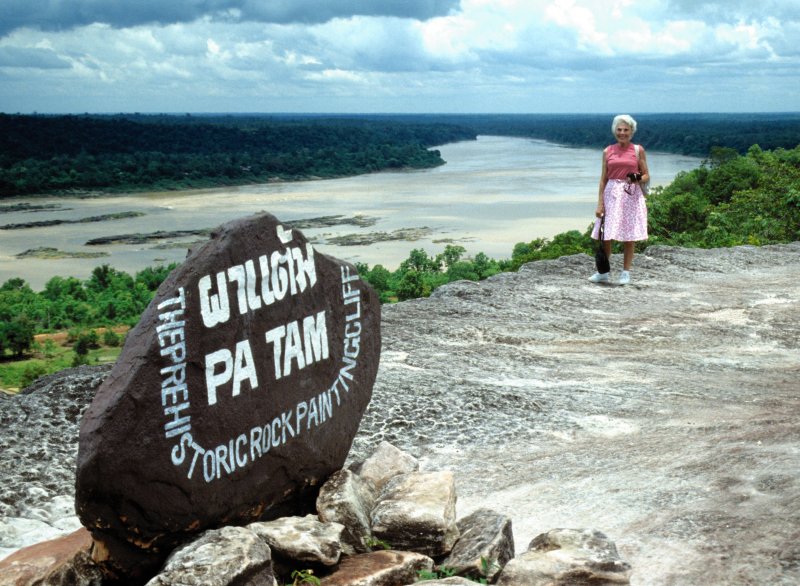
[634,177]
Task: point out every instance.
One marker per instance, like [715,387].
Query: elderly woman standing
[621,200]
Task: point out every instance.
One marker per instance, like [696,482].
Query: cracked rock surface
[663,413]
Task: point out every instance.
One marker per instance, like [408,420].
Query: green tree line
[52,154]
[134,152]
[686,134]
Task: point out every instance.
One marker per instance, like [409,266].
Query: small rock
[379,568]
[417,512]
[347,499]
[564,557]
[231,556]
[302,539]
[485,546]
[385,463]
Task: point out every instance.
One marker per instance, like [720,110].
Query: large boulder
[236,395]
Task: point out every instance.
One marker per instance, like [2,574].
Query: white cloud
[496,55]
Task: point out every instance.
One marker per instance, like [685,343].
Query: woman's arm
[643,169]
[601,209]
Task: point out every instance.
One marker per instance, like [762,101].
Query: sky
[399,56]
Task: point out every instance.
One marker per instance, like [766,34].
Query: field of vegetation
[733,198]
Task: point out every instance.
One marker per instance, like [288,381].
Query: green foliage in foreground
[730,200]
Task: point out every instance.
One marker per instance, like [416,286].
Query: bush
[110,338]
[31,372]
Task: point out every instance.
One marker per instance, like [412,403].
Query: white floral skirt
[626,212]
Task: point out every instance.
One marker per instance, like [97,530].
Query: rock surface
[236,395]
[38,443]
[663,412]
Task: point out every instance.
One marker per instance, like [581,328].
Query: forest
[733,198]
[68,154]
[685,134]
[138,152]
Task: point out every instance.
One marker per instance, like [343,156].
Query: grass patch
[51,353]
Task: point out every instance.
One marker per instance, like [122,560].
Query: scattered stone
[231,556]
[563,557]
[406,234]
[385,463]
[379,568]
[48,252]
[30,207]
[347,499]
[329,221]
[46,223]
[485,546]
[417,512]
[146,238]
[235,397]
[149,237]
[302,539]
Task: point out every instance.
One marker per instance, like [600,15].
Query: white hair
[627,119]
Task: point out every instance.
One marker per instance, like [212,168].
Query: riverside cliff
[662,413]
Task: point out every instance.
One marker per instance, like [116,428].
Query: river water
[491,194]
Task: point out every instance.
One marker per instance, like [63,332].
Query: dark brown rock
[236,395]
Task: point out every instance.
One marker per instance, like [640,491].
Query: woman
[621,200]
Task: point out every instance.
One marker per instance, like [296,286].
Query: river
[491,194]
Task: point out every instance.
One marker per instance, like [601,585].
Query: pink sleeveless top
[621,162]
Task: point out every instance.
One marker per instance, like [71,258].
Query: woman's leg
[627,251]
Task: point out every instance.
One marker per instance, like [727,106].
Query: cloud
[732,11]
[67,14]
[436,55]
[33,58]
